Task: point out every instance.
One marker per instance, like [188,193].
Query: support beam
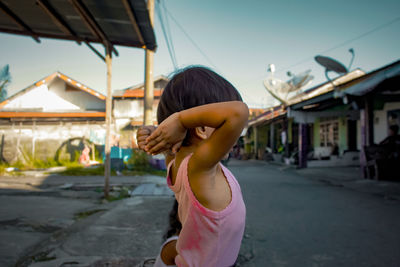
[255,137]
[107,164]
[369,112]
[95,51]
[303,145]
[133,20]
[56,17]
[91,23]
[272,136]
[19,21]
[148,76]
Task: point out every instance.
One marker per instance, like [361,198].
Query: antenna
[351,50]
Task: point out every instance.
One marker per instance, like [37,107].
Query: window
[329,132]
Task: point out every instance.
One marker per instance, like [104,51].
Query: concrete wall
[42,141]
[80,98]
[55,97]
[127,110]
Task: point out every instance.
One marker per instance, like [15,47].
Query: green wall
[342,133]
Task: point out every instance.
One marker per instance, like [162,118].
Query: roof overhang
[117,22]
[386,78]
[268,116]
[19,114]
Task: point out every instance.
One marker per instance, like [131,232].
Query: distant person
[393,137]
[201,116]
[84,159]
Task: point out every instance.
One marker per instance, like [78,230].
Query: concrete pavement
[58,220]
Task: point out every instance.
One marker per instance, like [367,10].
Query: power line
[333,48]
[343,43]
[168,38]
[190,39]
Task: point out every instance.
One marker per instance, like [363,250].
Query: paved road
[295,221]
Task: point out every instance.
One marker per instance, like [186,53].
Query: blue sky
[239,39]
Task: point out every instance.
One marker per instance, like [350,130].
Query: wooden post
[255,139]
[272,137]
[107,164]
[33,139]
[369,112]
[148,75]
[286,141]
[303,144]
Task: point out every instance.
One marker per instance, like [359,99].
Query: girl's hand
[142,134]
[168,136]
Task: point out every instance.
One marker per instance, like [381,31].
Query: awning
[373,80]
[116,22]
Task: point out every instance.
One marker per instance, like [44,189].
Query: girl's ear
[200,132]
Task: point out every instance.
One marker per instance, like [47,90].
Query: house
[56,115]
[356,114]
[128,108]
[278,128]
[330,124]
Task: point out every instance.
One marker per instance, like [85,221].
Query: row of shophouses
[337,123]
[330,124]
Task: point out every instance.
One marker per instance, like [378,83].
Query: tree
[5,79]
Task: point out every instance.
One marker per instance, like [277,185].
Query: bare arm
[228,119]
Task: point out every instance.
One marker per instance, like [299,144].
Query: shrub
[139,160]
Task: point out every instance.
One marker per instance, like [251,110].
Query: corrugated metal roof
[139,93]
[18,114]
[48,79]
[122,22]
[372,80]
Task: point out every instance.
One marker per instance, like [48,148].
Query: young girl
[201,116]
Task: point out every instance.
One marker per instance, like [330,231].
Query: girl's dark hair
[174,226]
[194,86]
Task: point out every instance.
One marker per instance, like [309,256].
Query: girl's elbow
[242,111]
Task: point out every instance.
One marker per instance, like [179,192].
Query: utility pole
[148,75]
[107,165]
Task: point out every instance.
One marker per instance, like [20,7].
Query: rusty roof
[123,22]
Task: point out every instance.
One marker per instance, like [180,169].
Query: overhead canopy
[386,78]
[109,22]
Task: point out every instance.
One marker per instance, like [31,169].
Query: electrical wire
[168,40]
[168,27]
[190,39]
[343,43]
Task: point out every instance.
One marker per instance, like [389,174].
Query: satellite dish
[300,80]
[280,89]
[332,65]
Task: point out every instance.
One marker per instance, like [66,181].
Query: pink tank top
[208,238]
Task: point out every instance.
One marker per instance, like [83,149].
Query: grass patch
[3,167]
[79,170]
[85,214]
[123,193]
[42,256]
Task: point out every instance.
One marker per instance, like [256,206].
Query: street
[300,218]
[296,221]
